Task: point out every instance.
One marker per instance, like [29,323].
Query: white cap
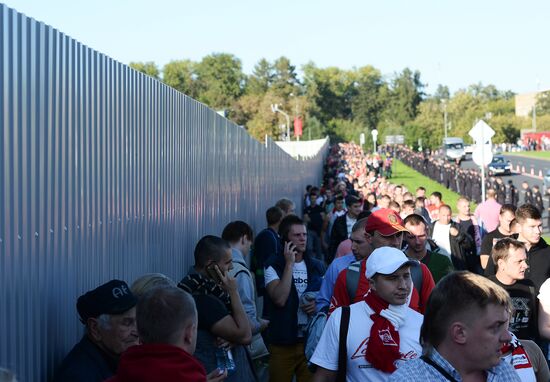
[386,260]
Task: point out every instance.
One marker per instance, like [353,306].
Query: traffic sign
[482,155]
[481,132]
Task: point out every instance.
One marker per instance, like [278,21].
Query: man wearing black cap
[109,314]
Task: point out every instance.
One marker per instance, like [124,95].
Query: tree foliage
[343,103]
[149,68]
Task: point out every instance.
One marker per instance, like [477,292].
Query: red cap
[386,221]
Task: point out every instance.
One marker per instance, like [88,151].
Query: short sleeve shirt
[358,368]
[209,310]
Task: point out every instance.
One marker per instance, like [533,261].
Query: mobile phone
[292,246]
[212,271]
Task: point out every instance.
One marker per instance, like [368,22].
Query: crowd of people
[368,281]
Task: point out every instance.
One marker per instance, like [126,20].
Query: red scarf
[383,347]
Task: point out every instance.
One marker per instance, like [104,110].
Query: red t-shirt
[340,295]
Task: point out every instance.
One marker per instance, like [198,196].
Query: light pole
[374,136]
[275,109]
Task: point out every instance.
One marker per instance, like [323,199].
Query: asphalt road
[517,178]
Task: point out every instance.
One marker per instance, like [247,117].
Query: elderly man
[109,314]
[464,328]
[382,331]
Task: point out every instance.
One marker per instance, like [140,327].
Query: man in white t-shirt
[383,331]
[291,280]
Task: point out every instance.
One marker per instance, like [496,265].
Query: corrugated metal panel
[107,173]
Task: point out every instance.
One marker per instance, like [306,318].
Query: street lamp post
[275,109]
[374,136]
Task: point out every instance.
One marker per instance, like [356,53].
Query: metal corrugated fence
[107,173]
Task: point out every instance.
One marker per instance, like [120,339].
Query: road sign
[482,155]
[481,132]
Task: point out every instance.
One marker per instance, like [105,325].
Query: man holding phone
[222,320]
[289,279]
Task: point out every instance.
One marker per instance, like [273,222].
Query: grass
[546,238]
[532,154]
[403,174]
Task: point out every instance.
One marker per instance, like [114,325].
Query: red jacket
[158,362]
[340,296]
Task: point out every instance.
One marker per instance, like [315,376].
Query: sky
[454,43]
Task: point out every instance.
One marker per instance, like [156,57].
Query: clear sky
[455,43]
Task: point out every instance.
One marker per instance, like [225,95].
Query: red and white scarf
[383,346]
[515,354]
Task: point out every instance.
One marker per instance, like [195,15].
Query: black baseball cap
[113,297]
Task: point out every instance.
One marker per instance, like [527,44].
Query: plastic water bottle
[225,361]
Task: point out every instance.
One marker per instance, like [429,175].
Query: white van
[453,148]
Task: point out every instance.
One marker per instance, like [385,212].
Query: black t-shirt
[523,322]
[316,218]
[209,310]
[487,244]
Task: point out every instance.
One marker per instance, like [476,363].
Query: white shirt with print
[358,369]
[299,275]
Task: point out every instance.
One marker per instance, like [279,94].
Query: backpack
[353,273]
[257,348]
[314,330]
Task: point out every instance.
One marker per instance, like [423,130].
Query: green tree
[330,92]
[442,92]
[543,103]
[149,68]
[220,80]
[406,92]
[180,74]
[261,79]
[367,101]
[345,130]
[285,80]
[313,129]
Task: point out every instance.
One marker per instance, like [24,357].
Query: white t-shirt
[358,369]
[442,239]
[350,222]
[544,295]
[299,275]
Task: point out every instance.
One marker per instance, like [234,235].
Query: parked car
[500,166]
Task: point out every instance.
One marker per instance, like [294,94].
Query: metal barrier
[107,173]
